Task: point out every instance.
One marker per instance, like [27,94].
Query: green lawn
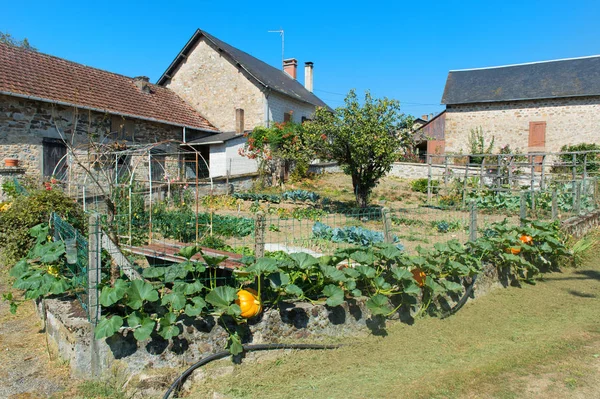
[539,341]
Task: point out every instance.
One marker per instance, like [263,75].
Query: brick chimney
[239,120]
[142,83]
[290,66]
[308,76]
[425,117]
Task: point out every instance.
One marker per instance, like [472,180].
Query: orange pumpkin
[249,302]
[419,276]
[525,239]
[514,250]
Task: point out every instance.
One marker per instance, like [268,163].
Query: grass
[535,341]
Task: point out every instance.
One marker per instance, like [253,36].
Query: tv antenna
[280,31]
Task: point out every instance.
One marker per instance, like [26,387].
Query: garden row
[388,279]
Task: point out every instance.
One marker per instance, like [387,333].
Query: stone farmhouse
[236,92]
[534,107]
[208,97]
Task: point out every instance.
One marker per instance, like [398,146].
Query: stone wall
[215,87]
[24,124]
[568,121]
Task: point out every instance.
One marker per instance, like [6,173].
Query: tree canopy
[7,38]
[364,139]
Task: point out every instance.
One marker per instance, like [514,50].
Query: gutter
[144,118]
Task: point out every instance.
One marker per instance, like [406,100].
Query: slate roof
[573,77]
[262,73]
[43,77]
[216,138]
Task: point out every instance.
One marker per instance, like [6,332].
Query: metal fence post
[260,225]
[523,210]
[554,203]
[473,222]
[94,265]
[387,225]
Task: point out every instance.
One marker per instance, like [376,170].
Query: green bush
[420,186]
[593,159]
[27,211]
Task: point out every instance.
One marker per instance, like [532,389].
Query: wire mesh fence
[153,222]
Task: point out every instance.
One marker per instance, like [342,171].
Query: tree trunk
[361,192]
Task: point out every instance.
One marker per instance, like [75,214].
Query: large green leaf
[334,294]
[196,308]
[50,252]
[332,273]
[235,344]
[107,327]
[304,260]
[263,266]
[188,288]
[380,283]
[366,271]
[153,272]
[176,299]
[167,327]
[221,297]
[379,305]
[402,274]
[452,286]
[19,268]
[139,292]
[278,279]
[145,329]
[214,261]
[390,251]
[363,257]
[189,252]
[175,272]
[412,289]
[111,295]
[293,289]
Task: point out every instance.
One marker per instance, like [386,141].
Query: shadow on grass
[581,294]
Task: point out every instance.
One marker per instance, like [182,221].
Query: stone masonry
[568,121]
[24,124]
[215,87]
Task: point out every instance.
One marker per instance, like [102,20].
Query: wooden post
[387,225]
[94,264]
[578,198]
[523,209]
[473,222]
[554,203]
[260,225]
[465,186]
[429,191]
[482,172]
[542,183]
[574,179]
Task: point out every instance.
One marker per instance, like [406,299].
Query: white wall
[226,156]
[280,104]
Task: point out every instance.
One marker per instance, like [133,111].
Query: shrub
[27,211]
[593,159]
[420,186]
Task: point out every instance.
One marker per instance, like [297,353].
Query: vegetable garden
[287,246]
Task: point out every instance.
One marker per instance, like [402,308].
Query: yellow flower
[49,238]
[53,271]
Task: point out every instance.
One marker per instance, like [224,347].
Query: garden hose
[176,385]
[462,300]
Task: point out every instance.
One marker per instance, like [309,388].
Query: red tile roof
[45,77]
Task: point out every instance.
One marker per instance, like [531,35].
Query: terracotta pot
[11,162]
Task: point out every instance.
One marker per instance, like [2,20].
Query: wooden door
[54,154]
[537,142]
[436,147]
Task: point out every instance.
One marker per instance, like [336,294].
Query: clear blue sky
[397,49]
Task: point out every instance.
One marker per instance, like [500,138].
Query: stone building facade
[534,107]
[32,131]
[219,80]
[568,121]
